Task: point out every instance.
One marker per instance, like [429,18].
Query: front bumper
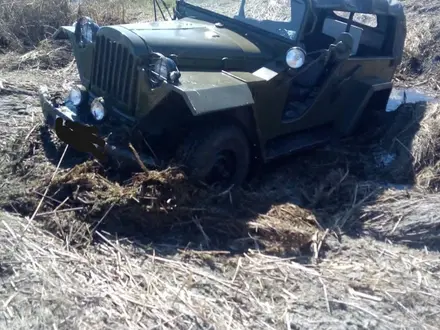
[52,111]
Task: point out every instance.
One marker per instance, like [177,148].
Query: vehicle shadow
[390,190]
[53,149]
[381,182]
[350,188]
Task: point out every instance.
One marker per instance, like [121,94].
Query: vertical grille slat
[111,65]
[115,71]
[133,84]
[100,51]
[106,63]
[95,67]
[127,78]
[122,80]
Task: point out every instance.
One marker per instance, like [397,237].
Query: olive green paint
[221,72]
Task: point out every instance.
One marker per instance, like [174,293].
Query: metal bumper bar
[70,114]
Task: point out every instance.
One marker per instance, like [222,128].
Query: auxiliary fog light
[97,109]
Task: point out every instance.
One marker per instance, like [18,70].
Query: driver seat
[340,50]
[304,87]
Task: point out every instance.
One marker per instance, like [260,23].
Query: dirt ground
[336,238]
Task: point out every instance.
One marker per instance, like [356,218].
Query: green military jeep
[223,84]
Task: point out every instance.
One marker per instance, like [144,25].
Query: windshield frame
[244,24]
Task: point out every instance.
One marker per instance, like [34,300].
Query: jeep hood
[196,42]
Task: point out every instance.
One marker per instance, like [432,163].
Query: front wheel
[216,156]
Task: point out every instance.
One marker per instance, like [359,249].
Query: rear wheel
[216,156]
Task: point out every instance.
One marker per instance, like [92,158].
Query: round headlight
[166,69]
[161,68]
[75,96]
[295,57]
[97,109]
[85,30]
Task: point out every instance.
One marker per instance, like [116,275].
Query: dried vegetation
[326,240]
[26,28]
[421,58]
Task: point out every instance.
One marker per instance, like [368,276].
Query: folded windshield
[271,15]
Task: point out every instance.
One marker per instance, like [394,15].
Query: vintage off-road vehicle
[225,83]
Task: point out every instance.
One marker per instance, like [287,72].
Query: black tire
[204,150]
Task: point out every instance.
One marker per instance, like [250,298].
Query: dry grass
[26,25]
[420,61]
[414,137]
[405,218]
[26,47]
[115,285]
[23,24]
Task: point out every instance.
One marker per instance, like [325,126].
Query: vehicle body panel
[226,64]
[351,108]
[392,8]
[327,103]
[212,91]
[83,56]
[191,38]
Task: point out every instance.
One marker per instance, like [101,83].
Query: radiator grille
[114,71]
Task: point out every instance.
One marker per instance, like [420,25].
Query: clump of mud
[147,206]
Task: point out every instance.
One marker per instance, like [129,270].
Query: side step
[298,141]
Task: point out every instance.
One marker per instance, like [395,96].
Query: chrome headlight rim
[77,95]
[162,69]
[97,109]
[295,57]
[85,30]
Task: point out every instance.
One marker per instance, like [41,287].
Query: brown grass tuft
[24,25]
[420,59]
[414,137]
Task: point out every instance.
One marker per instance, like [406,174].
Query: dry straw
[116,286]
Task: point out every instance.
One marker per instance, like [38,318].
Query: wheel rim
[224,168]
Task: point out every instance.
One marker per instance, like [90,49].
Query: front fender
[83,56]
[64,33]
[206,92]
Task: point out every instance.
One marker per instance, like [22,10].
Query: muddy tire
[216,156]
